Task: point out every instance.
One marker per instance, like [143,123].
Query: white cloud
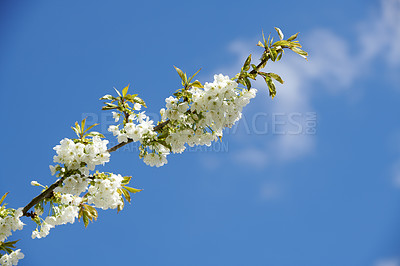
[379,35]
[335,63]
[388,262]
[252,157]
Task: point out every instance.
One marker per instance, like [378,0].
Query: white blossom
[104,193]
[10,223]
[12,258]
[63,215]
[78,156]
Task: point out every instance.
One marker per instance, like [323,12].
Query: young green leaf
[132,190]
[291,38]
[94,134]
[276,77]
[271,87]
[89,128]
[182,75]
[282,43]
[196,84]
[246,65]
[107,97]
[300,52]
[126,195]
[260,44]
[126,180]
[272,55]
[248,83]
[190,79]
[125,91]
[2,198]
[278,30]
[85,219]
[83,122]
[119,94]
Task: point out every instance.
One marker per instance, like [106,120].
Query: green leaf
[76,131]
[291,38]
[276,77]
[279,56]
[271,87]
[138,100]
[271,54]
[260,44]
[182,75]
[194,75]
[281,43]
[107,97]
[278,30]
[248,83]
[78,128]
[300,52]
[265,42]
[83,122]
[85,219]
[2,198]
[132,190]
[126,194]
[126,180]
[119,94]
[94,134]
[89,128]
[295,44]
[196,84]
[252,76]
[9,244]
[92,210]
[246,65]
[108,108]
[111,105]
[125,91]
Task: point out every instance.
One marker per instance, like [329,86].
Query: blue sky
[309,178]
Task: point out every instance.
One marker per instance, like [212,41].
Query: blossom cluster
[196,119]
[137,127]
[73,184]
[9,222]
[103,192]
[218,105]
[62,215]
[12,258]
[79,156]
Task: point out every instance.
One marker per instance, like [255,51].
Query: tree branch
[42,196]
[49,190]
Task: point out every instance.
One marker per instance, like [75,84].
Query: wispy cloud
[379,35]
[388,262]
[335,64]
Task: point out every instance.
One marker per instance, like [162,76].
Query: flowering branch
[196,114]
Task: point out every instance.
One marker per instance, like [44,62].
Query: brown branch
[161,125]
[48,192]
[116,147]
[45,194]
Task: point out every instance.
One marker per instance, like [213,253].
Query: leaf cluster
[83,133]
[187,83]
[125,191]
[123,103]
[272,51]
[8,246]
